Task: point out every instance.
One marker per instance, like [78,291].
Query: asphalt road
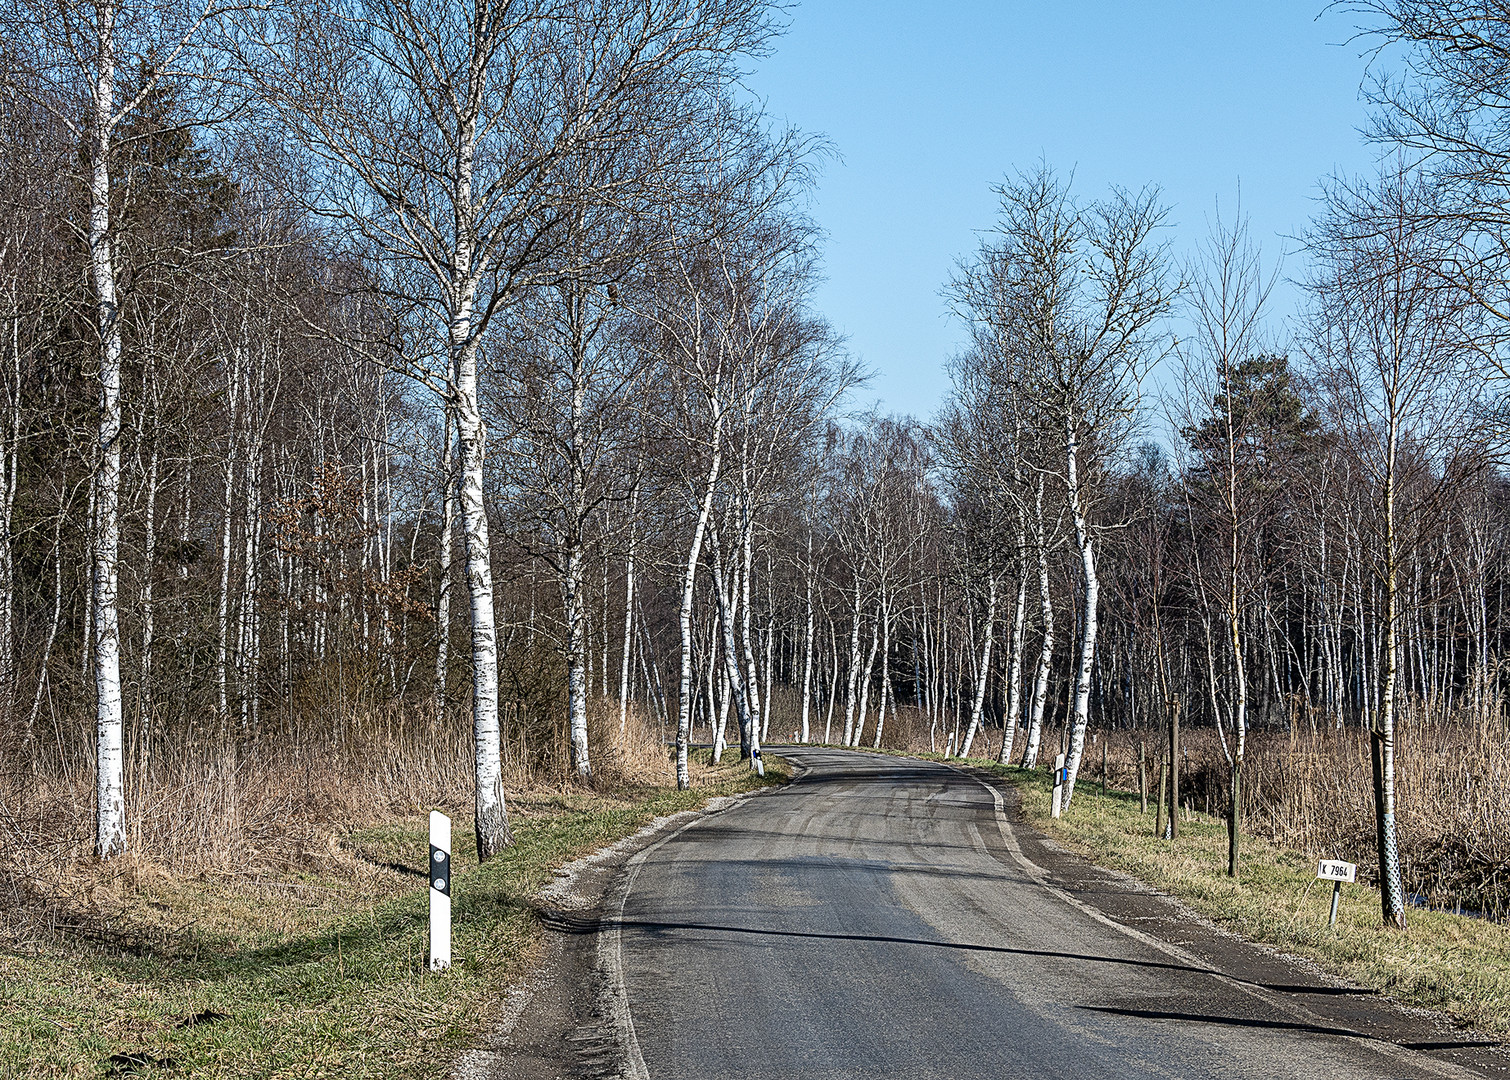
[881,917]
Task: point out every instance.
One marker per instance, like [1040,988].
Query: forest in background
[409,403]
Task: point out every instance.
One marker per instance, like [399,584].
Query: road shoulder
[1296,985]
[567,1017]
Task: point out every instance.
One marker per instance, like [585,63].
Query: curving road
[881,917]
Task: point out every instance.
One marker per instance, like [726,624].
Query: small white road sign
[1332,870]
[1336,871]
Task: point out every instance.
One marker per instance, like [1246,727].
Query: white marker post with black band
[440,891]
[1336,872]
[1058,786]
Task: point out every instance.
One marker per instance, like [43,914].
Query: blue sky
[929,104]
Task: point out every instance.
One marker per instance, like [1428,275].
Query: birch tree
[569,385]
[442,131]
[111,56]
[1082,293]
[1393,345]
[1227,295]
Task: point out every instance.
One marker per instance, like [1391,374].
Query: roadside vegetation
[426,406]
[1457,964]
[309,958]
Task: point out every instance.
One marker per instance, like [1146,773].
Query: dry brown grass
[266,810]
[299,940]
[1311,790]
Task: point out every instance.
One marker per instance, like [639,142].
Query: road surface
[881,917]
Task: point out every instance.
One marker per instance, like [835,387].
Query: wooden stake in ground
[1174,771]
[1158,817]
[1142,777]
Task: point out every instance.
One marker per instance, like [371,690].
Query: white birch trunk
[748,736]
[750,726]
[634,499]
[1014,667]
[577,679]
[689,584]
[443,554]
[833,683]
[885,672]
[578,641]
[1391,892]
[770,648]
[1085,542]
[223,603]
[853,680]
[110,820]
[720,743]
[1046,649]
[9,463]
[605,635]
[149,622]
[870,666]
[983,671]
[86,653]
[490,814]
[807,648]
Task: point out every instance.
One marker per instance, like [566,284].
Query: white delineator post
[1058,786]
[440,891]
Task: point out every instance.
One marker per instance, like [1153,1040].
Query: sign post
[1336,872]
[1058,786]
[440,891]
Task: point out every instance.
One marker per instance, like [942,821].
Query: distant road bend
[880,917]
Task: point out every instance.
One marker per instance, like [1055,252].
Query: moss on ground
[314,973]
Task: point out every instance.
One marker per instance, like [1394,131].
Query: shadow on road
[1288,1025]
[571,923]
[567,923]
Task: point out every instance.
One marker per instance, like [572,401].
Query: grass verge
[317,972]
[1450,963]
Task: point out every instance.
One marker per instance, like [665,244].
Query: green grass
[317,973]
[1457,965]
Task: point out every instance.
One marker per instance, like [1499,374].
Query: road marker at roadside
[440,891]
[1336,872]
[1059,772]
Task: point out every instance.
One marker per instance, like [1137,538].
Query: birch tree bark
[1014,664]
[1046,648]
[689,586]
[444,543]
[634,502]
[983,671]
[110,809]
[807,640]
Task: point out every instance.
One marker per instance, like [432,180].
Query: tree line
[458,362]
